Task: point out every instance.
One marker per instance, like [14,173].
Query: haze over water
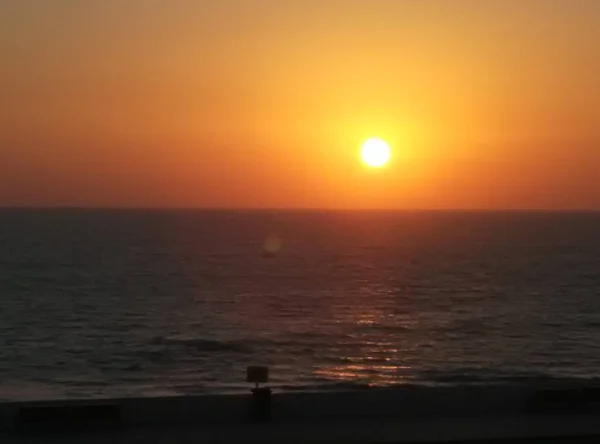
[111,303]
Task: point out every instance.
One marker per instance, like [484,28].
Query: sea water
[102,303]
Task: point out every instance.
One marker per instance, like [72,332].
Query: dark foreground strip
[586,399]
[588,439]
[68,417]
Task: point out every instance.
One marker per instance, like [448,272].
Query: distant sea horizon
[301,209]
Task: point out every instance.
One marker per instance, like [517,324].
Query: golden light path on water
[341,334]
[377,365]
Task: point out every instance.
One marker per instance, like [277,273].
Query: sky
[264,103]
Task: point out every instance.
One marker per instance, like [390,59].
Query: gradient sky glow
[264,103]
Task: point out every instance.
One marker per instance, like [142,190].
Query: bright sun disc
[375,152]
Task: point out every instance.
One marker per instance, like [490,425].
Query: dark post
[260,404]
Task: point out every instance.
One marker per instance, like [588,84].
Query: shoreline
[233,409]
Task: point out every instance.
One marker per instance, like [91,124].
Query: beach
[380,416]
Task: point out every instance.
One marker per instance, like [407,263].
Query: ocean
[103,303]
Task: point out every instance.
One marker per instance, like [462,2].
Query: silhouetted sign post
[260,405]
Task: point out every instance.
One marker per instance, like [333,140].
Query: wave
[208,345]
[245,345]
[591,385]
[325,387]
[469,376]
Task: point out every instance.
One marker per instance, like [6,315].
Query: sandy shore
[408,415]
[534,429]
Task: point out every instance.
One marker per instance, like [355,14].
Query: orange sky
[264,103]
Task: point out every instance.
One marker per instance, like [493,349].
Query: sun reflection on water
[372,362]
[371,374]
[365,357]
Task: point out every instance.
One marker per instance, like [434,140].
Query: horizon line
[295,209]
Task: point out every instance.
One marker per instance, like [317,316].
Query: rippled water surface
[114,303]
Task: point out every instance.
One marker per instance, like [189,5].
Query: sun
[375,152]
